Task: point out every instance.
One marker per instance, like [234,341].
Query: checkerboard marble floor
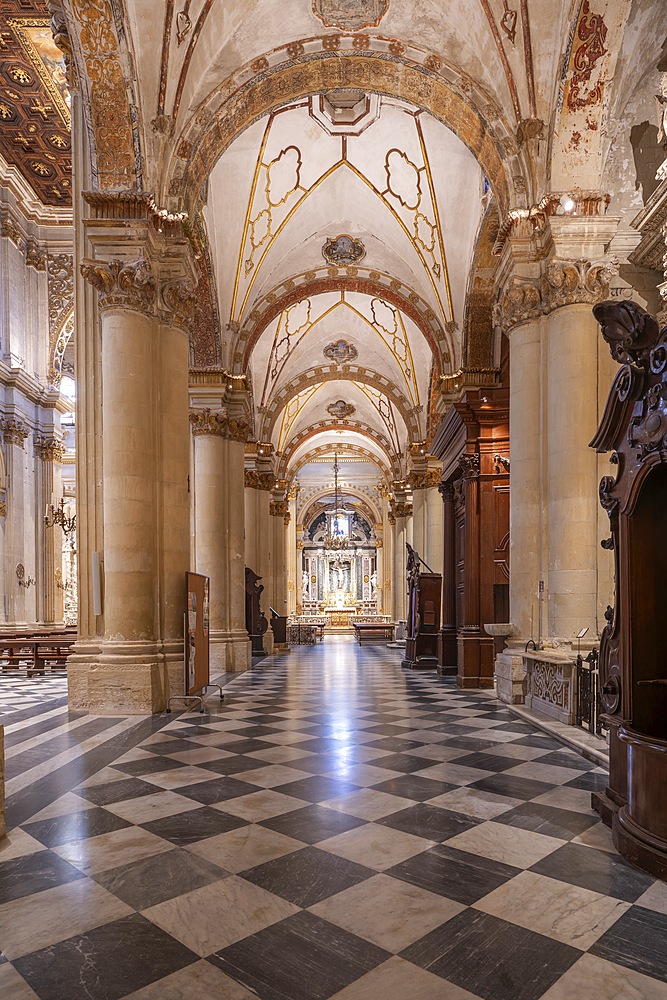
[338,829]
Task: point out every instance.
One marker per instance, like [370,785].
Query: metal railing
[589,706]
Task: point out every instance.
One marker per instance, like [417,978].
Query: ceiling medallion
[350,15]
[343,251]
[340,409]
[340,352]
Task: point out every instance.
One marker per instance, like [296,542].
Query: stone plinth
[510,676]
[550,689]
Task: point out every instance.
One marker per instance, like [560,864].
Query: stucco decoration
[350,15]
[340,352]
[340,409]
[343,251]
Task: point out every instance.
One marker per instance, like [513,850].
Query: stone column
[280,518]
[293,566]
[14,432]
[145,305]
[208,490]
[232,527]
[50,452]
[402,511]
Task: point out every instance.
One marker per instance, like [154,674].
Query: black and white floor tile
[338,828]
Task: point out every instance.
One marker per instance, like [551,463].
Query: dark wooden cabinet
[633,653]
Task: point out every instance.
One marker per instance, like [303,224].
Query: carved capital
[178,303]
[425,480]
[130,285]
[14,431]
[236,429]
[260,481]
[402,510]
[206,422]
[519,302]
[280,508]
[567,282]
[49,449]
[469,465]
[446,491]
[379,543]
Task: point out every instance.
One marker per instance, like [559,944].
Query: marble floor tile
[376,846]
[272,962]
[362,775]
[307,876]
[217,915]
[280,755]
[43,919]
[577,799]
[68,803]
[87,965]
[594,978]
[414,786]
[455,874]
[368,803]
[564,824]
[312,823]
[219,790]
[180,776]
[655,897]
[596,870]
[201,981]
[598,836]
[260,805]
[401,979]
[152,880]
[272,775]
[201,755]
[115,791]
[13,986]
[509,845]
[112,849]
[17,844]
[437,752]
[390,913]
[637,941]
[185,828]
[535,770]
[24,875]
[491,958]
[511,784]
[454,773]
[150,807]
[519,752]
[473,802]
[427,820]
[561,911]
[247,847]
[75,826]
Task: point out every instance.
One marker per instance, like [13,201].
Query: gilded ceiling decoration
[343,251]
[34,102]
[340,352]
[350,15]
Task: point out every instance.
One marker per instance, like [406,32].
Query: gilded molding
[129,285]
[425,480]
[49,449]
[206,422]
[280,508]
[14,431]
[259,480]
[379,543]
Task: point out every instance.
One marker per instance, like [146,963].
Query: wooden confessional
[424,597]
[633,647]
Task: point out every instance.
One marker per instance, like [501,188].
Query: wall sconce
[20,576]
[57,515]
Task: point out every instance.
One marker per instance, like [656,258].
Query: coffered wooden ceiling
[34,102]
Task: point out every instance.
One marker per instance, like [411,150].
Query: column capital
[14,431]
[469,466]
[446,491]
[256,480]
[122,284]
[49,449]
[206,422]
[177,303]
[424,480]
[557,282]
[280,508]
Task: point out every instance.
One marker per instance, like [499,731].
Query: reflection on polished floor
[338,828]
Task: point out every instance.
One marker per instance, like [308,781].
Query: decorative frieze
[119,283]
[207,422]
[49,449]
[14,431]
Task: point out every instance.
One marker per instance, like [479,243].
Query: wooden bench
[373,631]
[35,654]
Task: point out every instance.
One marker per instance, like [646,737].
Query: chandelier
[336,537]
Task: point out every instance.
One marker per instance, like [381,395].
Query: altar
[339,607]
